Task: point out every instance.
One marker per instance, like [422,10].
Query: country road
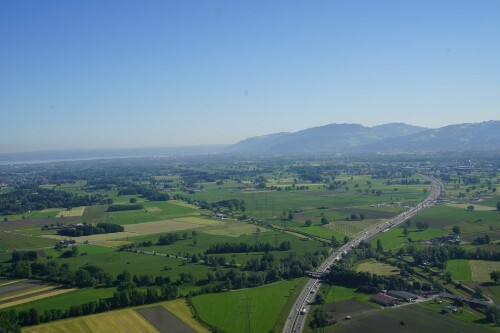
[298,313]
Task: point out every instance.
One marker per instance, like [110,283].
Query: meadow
[407,319]
[375,267]
[236,311]
[460,269]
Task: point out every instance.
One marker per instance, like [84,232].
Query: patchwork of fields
[167,317]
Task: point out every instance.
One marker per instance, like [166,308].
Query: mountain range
[387,138]
[328,139]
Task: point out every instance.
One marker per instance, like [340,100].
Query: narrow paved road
[298,313]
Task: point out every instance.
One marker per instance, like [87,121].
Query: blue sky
[105,74]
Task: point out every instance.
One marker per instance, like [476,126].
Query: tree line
[89,229]
[120,208]
[246,248]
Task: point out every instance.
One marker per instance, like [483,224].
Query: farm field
[481,269]
[14,287]
[272,203]
[476,206]
[122,321]
[394,238]
[135,263]
[159,227]
[77,211]
[471,223]
[34,295]
[180,308]
[36,223]
[352,228]
[460,269]
[227,232]
[319,231]
[415,319]
[339,293]
[376,267]
[178,315]
[233,229]
[13,241]
[163,320]
[264,305]
[65,300]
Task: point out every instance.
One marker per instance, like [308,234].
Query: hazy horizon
[105,75]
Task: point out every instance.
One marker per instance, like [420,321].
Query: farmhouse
[452,239]
[384,300]
[402,295]
[67,242]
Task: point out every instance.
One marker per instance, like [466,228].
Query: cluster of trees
[261,271]
[24,255]
[168,239]
[290,188]
[19,201]
[439,254]
[147,192]
[481,240]
[343,274]
[422,225]
[321,319]
[229,205]
[88,229]
[84,276]
[310,173]
[355,217]
[119,208]
[246,248]
[410,181]
[366,281]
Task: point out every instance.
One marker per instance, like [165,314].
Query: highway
[297,316]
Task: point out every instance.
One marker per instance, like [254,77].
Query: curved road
[297,316]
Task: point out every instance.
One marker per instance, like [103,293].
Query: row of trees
[88,229]
[246,248]
[119,208]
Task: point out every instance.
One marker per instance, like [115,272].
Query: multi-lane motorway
[298,313]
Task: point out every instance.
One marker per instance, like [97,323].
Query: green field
[272,203]
[339,293]
[407,319]
[460,269]
[64,301]
[376,267]
[12,241]
[231,310]
[394,237]
[481,269]
[135,263]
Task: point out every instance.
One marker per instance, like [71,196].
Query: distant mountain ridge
[392,137]
[324,139]
[460,137]
[327,139]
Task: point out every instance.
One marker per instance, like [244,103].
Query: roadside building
[402,295]
[384,300]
